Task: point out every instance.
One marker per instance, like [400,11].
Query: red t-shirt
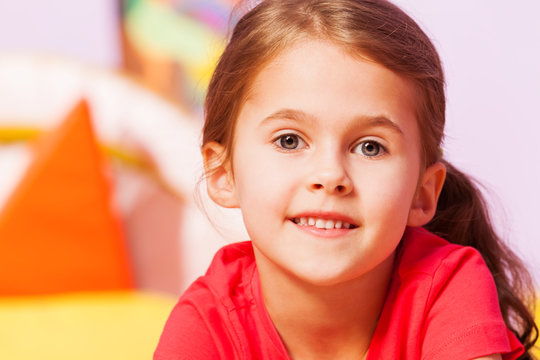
[441,304]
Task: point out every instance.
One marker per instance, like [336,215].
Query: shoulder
[450,276]
[200,325]
[185,336]
[425,253]
[229,272]
[230,261]
[456,296]
[450,272]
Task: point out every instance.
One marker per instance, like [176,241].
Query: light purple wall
[490,50]
[74,28]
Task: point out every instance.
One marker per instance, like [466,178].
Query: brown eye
[289,142]
[369,148]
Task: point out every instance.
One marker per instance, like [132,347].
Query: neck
[325,322]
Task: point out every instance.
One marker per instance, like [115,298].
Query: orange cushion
[57,230]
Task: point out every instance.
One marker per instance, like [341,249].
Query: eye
[369,148]
[289,142]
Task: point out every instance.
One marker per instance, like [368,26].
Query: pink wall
[490,49]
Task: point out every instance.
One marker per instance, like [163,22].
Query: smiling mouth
[319,223]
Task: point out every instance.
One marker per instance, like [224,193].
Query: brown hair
[384,33]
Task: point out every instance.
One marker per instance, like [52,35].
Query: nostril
[340,188]
[317,186]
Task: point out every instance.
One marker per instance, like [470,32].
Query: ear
[219,179]
[425,200]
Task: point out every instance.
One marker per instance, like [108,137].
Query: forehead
[324,80]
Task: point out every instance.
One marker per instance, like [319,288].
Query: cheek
[261,182]
[389,190]
[263,199]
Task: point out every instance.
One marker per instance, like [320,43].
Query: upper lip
[326,215]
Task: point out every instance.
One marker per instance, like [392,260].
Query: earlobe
[218,172]
[424,205]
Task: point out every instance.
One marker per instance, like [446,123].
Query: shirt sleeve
[464,319]
[185,336]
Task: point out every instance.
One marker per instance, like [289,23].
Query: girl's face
[326,165]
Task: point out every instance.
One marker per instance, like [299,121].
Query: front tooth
[319,224]
[338,224]
[311,221]
[346,225]
[303,221]
[329,224]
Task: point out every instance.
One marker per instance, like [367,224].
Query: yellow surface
[91,326]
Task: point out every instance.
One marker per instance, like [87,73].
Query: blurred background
[103,218]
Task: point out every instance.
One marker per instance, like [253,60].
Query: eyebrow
[365,120]
[382,121]
[289,114]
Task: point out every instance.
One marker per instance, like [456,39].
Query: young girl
[324,121]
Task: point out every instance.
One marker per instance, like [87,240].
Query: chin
[320,278]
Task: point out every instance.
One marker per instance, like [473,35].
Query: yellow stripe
[18,134]
[23,134]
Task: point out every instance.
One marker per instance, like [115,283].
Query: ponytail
[462,218]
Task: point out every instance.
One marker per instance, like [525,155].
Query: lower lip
[324,233]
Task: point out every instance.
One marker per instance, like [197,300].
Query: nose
[330,176]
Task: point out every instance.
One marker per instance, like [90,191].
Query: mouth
[325,224]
